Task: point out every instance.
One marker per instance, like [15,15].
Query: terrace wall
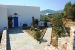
[4,40]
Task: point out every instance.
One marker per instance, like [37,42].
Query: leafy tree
[73,11]
[57,23]
[44,18]
[69,10]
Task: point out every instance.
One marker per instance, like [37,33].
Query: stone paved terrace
[19,40]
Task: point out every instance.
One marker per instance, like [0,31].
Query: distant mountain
[60,11]
[49,11]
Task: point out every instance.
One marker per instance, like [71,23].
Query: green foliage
[45,18]
[31,28]
[37,35]
[57,23]
[35,29]
[69,10]
[57,19]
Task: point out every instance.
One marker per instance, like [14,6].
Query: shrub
[36,29]
[37,35]
[31,28]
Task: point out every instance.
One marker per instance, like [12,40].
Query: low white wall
[3,18]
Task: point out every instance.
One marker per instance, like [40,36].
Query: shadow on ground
[8,42]
[15,30]
[43,40]
[12,31]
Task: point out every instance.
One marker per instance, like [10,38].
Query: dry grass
[68,22]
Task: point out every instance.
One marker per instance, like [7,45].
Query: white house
[24,15]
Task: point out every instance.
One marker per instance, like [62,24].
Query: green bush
[37,35]
[31,28]
[64,35]
[35,29]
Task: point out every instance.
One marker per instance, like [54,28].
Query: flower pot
[10,23]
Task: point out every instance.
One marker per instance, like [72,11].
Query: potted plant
[10,23]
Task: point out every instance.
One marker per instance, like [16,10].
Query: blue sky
[43,4]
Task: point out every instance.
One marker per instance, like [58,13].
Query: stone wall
[72,36]
[4,40]
[64,43]
[67,43]
[50,48]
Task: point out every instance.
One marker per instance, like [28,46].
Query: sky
[43,4]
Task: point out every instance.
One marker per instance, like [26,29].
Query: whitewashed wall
[25,13]
[3,17]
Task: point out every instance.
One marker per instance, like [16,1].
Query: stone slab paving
[19,40]
[47,36]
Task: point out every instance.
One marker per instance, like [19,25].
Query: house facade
[23,15]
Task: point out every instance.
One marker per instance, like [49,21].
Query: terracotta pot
[10,23]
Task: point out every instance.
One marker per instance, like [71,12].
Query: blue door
[15,21]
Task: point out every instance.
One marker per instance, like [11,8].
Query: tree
[45,18]
[57,23]
[69,10]
[73,11]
